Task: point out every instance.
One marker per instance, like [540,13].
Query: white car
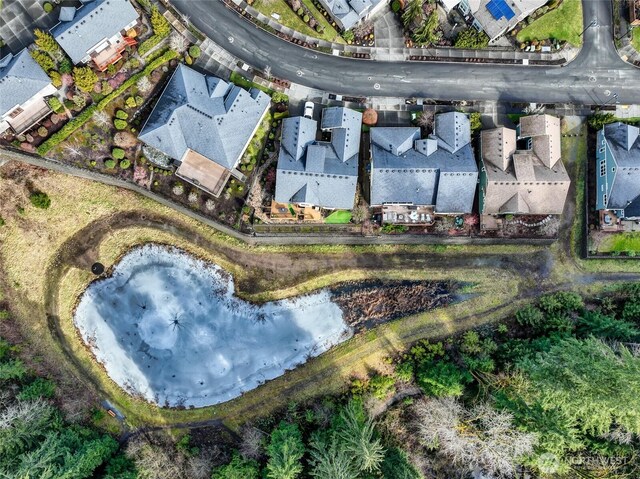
[308,109]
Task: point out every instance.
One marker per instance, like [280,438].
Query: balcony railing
[30,120]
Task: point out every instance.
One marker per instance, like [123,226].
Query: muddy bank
[368,303]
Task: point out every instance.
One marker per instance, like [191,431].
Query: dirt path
[267,271]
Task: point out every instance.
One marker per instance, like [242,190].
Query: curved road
[585,80]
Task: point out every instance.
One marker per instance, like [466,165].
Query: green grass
[622,242]
[562,23]
[635,38]
[290,19]
[330,32]
[239,80]
[339,217]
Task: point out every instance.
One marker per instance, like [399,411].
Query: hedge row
[83,117]
[149,43]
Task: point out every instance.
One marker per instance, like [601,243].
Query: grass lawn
[29,272]
[239,80]
[635,38]
[563,23]
[290,19]
[621,242]
[339,217]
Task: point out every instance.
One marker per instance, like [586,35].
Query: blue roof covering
[499,9]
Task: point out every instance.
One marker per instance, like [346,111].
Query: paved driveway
[389,36]
[18,19]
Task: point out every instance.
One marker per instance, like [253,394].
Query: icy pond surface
[167,326]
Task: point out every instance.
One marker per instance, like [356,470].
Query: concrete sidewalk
[397,52]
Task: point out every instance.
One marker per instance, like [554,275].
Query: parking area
[18,19]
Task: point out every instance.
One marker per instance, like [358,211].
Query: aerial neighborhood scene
[319,239]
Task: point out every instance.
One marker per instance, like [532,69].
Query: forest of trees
[553,391]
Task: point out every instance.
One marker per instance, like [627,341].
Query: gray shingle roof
[20,80]
[205,114]
[349,12]
[317,172]
[624,143]
[93,22]
[406,169]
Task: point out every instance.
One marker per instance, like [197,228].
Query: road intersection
[592,78]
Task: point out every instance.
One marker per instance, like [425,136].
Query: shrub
[56,78]
[79,102]
[45,41]
[117,153]
[148,44]
[599,119]
[441,378]
[300,11]
[159,24]
[194,51]
[65,66]
[178,189]
[279,97]
[43,132]
[125,164]
[395,6]
[119,124]
[55,104]
[381,386]
[40,200]
[40,388]
[47,7]
[123,115]
[305,18]
[193,197]
[130,102]
[110,164]
[85,78]
[73,125]
[2,221]
[188,60]
[139,100]
[43,59]
[404,371]
[471,38]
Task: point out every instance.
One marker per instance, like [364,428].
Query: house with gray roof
[438,172]
[494,17]
[98,31]
[347,13]
[319,173]
[205,125]
[24,89]
[618,170]
[521,170]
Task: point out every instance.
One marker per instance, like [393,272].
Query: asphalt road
[591,79]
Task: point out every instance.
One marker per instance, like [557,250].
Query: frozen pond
[167,326]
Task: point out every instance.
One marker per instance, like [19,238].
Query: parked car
[308,109]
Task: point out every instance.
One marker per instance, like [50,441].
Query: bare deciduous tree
[267,72]
[101,118]
[177,42]
[425,120]
[359,214]
[144,84]
[252,442]
[481,438]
